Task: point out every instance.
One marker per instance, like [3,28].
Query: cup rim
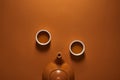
[78,54]
[43,30]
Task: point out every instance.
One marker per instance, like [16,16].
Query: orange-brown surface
[95,22]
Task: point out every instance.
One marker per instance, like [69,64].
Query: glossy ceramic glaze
[58,70]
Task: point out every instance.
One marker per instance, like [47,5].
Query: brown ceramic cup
[76,47]
[43,37]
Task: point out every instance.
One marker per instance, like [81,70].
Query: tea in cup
[76,47]
[43,37]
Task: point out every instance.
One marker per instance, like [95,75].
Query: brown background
[95,22]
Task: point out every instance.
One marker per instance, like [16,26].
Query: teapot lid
[58,74]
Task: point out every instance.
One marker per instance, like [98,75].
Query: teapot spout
[59,60]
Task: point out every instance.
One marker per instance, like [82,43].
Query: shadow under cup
[77,48]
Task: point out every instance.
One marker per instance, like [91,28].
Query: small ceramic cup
[43,37]
[77,48]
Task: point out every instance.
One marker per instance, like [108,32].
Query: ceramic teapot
[58,70]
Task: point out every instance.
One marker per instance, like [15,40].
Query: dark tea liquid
[43,37]
[76,47]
